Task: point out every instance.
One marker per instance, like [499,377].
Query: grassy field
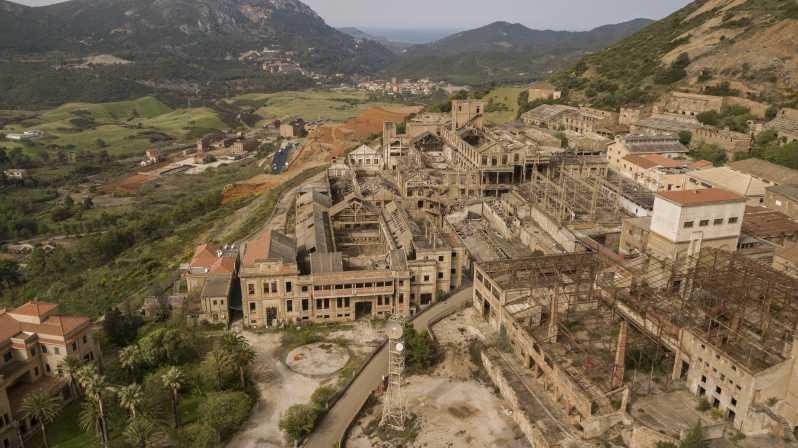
[310,105]
[507,96]
[122,128]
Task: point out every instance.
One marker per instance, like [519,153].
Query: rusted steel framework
[574,274]
[746,309]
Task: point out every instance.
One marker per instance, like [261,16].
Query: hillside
[749,44]
[506,51]
[170,46]
[359,34]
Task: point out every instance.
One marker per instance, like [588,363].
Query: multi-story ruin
[345,259]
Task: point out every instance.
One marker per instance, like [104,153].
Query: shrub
[225,412]
[421,352]
[298,421]
[703,405]
[321,397]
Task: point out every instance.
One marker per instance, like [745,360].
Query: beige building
[655,172]
[786,125]
[632,114]
[349,260]
[293,129]
[209,277]
[660,123]
[691,104]
[664,145]
[683,222]
[543,91]
[733,143]
[767,172]
[581,120]
[783,198]
[723,177]
[34,340]
[365,158]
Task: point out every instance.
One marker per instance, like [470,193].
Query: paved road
[333,425]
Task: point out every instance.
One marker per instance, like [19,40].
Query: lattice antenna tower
[393,410]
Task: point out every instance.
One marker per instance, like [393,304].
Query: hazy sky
[463,14]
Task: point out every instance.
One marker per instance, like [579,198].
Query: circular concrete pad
[319,359]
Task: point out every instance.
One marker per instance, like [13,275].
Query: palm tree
[242,357]
[243,354]
[143,433]
[218,360]
[70,366]
[173,380]
[44,408]
[95,387]
[132,359]
[89,420]
[131,398]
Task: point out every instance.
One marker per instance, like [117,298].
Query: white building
[685,221]
[16,173]
[365,158]
[27,135]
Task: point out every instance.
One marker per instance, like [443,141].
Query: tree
[71,366]
[44,408]
[131,398]
[695,438]
[121,329]
[143,433]
[225,411]
[10,274]
[242,354]
[709,152]
[132,359]
[219,362]
[95,388]
[321,397]
[685,137]
[298,421]
[771,112]
[710,117]
[173,380]
[421,352]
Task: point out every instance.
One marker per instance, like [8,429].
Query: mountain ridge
[726,47]
[505,52]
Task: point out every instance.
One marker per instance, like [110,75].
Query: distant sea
[410,36]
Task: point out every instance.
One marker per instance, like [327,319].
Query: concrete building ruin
[346,258]
[719,323]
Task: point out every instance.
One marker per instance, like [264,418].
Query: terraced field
[122,128]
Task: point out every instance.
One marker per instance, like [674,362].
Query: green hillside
[502,104]
[122,128]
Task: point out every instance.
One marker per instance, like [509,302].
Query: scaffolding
[570,199]
[393,410]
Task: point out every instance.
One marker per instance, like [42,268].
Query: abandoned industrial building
[620,272]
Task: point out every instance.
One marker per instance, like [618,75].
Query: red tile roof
[699,164]
[647,161]
[51,326]
[34,308]
[206,256]
[700,197]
